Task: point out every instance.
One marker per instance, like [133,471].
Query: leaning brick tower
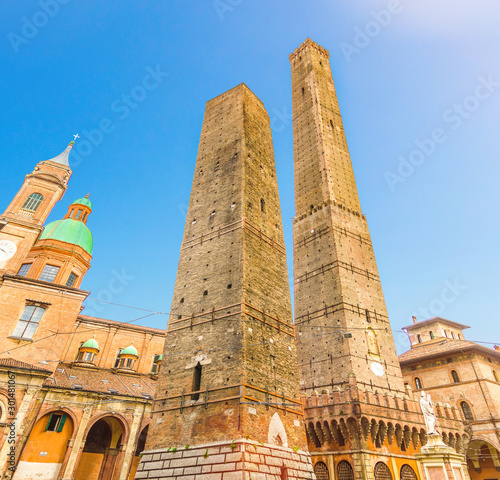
[361,421]
[227,404]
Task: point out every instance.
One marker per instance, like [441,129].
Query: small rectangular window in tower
[49,273]
[23,271]
[196,382]
[78,214]
[71,279]
[28,323]
[154,367]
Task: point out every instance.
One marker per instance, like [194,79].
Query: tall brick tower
[356,400]
[228,404]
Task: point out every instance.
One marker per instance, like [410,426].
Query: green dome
[70,231]
[83,201]
[130,350]
[91,344]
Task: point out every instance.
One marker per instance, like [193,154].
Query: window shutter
[48,423]
[61,423]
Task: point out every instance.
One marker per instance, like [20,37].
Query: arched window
[495,376]
[466,410]
[321,471]
[431,334]
[459,337]
[455,376]
[445,333]
[452,335]
[382,472]
[407,473]
[418,383]
[32,202]
[419,338]
[263,205]
[345,471]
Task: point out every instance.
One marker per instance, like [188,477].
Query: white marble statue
[429,415]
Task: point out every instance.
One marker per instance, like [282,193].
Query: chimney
[414,318]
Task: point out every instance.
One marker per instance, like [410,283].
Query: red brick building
[75,391]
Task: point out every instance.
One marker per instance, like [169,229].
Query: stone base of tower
[237,460]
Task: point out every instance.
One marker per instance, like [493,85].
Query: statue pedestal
[440,462]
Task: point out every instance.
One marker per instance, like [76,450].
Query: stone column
[20,427]
[77,445]
[131,444]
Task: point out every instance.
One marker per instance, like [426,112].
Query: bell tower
[227,402]
[22,222]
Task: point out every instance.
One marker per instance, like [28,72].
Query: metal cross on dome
[76,136]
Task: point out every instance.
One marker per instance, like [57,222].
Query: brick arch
[145,424]
[482,438]
[66,410]
[117,416]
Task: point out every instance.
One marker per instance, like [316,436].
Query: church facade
[75,391]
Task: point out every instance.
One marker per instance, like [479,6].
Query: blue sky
[419,90]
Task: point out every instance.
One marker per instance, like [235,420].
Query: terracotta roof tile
[446,346]
[11,362]
[101,380]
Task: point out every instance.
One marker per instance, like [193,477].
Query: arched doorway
[46,447]
[345,471]
[382,472]
[483,460]
[141,445]
[407,473]
[102,446]
[321,471]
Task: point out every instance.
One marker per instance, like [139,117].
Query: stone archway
[46,447]
[141,445]
[483,460]
[103,443]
